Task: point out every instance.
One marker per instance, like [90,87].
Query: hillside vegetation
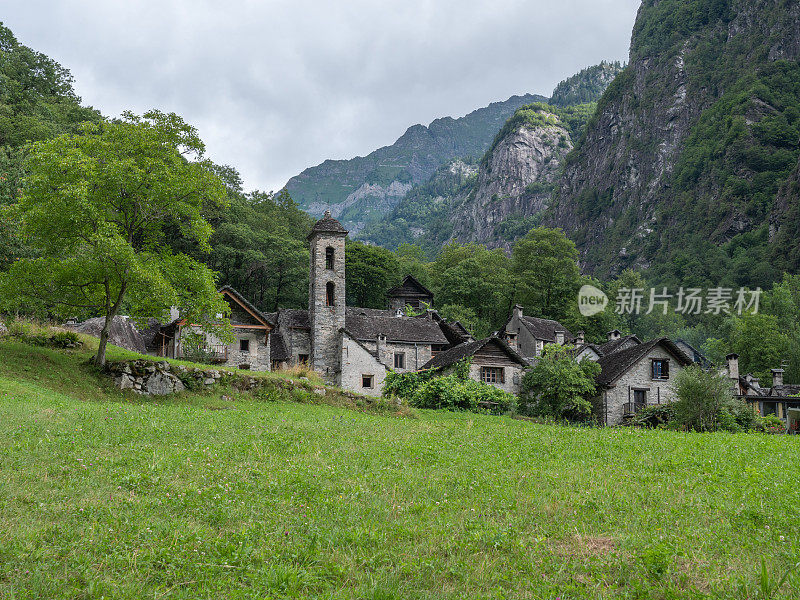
[113,495]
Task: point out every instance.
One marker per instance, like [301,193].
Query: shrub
[65,339]
[559,386]
[772,424]
[706,403]
[654,416]
[404,385]
[452,392]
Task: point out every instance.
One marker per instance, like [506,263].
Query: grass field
[209,496]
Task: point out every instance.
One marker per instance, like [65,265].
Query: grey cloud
[277,86]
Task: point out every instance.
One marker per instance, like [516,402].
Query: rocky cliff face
[514,183]
[686,142]
[785,224]
[363,189]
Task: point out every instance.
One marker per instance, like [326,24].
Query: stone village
[355,348]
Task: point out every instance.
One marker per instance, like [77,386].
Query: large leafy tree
[37,102]
[559,386]
[259,248]
[545,267]
[475,278]
[96,206]
[370,272]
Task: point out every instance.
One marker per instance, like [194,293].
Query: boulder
[3,329]
[161,384]
[123,332]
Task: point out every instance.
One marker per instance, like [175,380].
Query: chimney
[327,215]
[379,346]
[777,377]
[614,335]
[518,311]
[580,339]
[559,337]
[733,366]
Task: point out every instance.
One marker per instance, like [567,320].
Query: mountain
[689,168]
[516,178]
[364,189]
[514,182]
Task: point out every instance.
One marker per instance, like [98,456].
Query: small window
[660,369]
[329,258]
[330,290]
[399,360]
[244,346]
[368,381]
[302,359]
[492,374]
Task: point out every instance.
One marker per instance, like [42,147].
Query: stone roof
[296,318]
[615,365]
[411,287]
[327,224]
[613,345]
[785,390]
[396,329]
[355,311]
[455,332]
[277,347]
[458,353]
[545,329]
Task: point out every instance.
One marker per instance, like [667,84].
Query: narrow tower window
[328,257]
[329,290]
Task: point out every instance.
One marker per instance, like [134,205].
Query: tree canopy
[96,206]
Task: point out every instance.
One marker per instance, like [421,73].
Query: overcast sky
[275,86]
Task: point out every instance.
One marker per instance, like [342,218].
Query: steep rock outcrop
[514,183]
[411,160]
[654,167]
[785,224]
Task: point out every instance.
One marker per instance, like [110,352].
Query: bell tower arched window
[330,289]
[329,258]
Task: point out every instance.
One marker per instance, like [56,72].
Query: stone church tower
[326,299]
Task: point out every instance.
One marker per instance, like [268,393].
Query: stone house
[528,335]
[634,375]
[409,293]
[780,399]
[492,361]
[250,348]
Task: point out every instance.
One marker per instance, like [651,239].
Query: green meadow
[105,494]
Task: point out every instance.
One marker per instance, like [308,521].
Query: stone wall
[257,359]
[160,378]
[527,346]
[416,354]
[357,361]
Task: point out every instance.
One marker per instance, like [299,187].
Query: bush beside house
[426,389]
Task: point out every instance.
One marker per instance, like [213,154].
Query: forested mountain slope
[681,165]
